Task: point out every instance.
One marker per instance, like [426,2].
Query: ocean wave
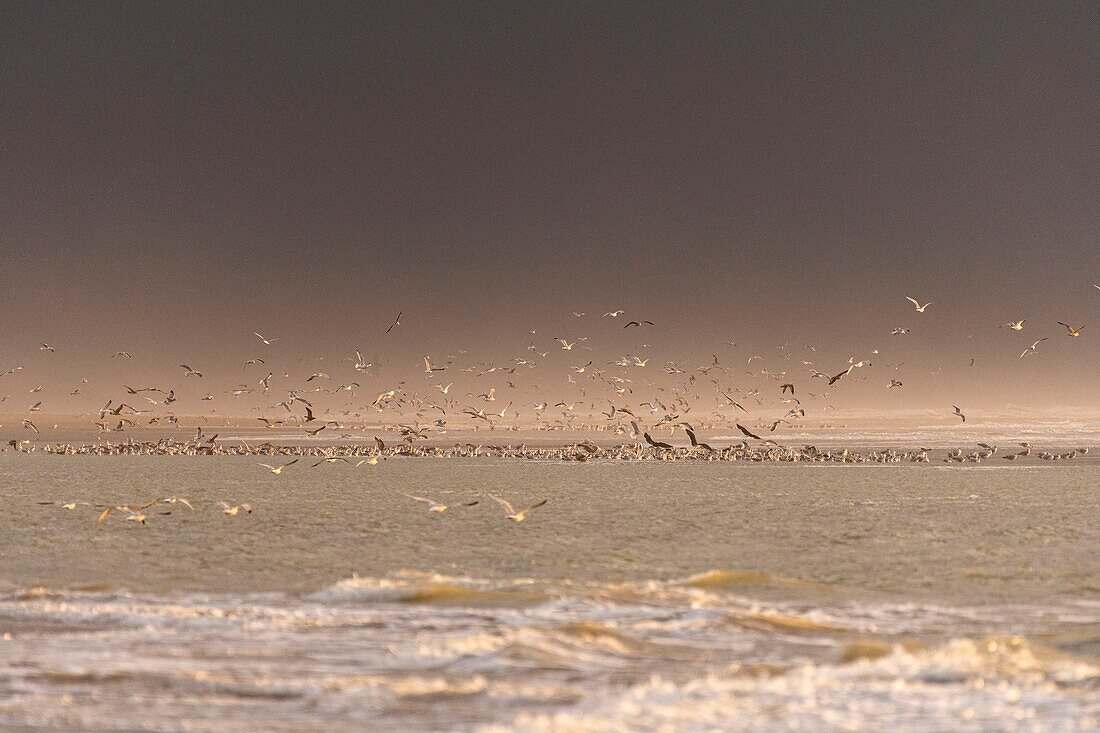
[962,685]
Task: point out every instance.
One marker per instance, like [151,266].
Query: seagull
[127,354]
[566,345]
[1015,325]
[360,363]
[655,443]
[31,426]
[511,513]
[746,431]
[189,372]
[1070,330]
[133,515]
[435,506]
[172,500]
[65,504]
[959,412]
[372,461]
[613,314]
[637,323]
[265,340]
[278,470]
[1032,349]
[735,403]
[396,321]
[45,347]
[920,308]
[900,330]
[234,510]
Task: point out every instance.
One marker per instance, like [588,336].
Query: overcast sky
[177,175]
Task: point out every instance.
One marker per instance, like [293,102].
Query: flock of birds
[669,410]
[599,398]
[602,396]
[139,513]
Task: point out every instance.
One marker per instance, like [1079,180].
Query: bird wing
[419,498]
[536,505]
[504,503]
[747,432]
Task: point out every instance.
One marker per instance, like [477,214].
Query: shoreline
[374,449]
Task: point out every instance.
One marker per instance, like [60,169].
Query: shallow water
[643,596]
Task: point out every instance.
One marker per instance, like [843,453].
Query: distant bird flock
[606,405]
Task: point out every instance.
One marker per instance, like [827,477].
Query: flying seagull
[920,308]
[278,469]
[511,513]
[396,321]
[747,432]
[265,340]
[1070,330]
[1032,349]
[435,506]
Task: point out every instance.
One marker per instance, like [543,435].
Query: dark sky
[177,175]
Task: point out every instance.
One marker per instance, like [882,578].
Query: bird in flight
[45,347]
[959,412]
[278,469]
[70,505]
[1015,325]
[920,308]
[265,340]
[613,314]
[511,513]
[396,321]
[1070,330]
[435,506]
[234,510]
[189,372]
[638,323]
[747,432]
[1032,349]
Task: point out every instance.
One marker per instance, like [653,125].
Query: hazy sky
[177,175]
